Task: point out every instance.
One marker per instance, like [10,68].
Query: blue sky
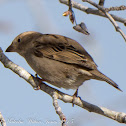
[20,104]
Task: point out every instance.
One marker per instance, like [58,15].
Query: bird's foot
[36,75]
[39,83]
[74,96]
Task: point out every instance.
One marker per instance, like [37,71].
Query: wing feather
[63,49]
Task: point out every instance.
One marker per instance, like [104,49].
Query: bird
[58,60]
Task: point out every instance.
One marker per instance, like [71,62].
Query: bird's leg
[36,75]
[40,82]
[74,96]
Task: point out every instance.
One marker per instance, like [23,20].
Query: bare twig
[78,27]
[2,121]
[101,2]
[92,11]
[58,109]
[70,5]
[70,12]
[116,8]
[56,94]
[118,29]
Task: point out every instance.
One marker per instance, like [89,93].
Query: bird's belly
[57,73]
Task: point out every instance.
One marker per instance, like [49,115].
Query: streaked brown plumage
[59,60]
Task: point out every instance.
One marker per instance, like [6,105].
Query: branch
[116,8]
[58,108]
[56,94]
[118,29]
[3,123]
[92,11]
[69,4]
[71,13]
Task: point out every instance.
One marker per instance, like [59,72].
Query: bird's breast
[56,73]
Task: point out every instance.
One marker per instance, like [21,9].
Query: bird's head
[23,42]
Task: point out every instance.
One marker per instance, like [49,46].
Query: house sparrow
[57,59]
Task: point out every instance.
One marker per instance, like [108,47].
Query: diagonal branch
[92,11]
[118,29]
[56,94]
[116,8]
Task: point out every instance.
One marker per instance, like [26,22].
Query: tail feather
[100,76]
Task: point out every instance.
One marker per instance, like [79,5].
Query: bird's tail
[100,76]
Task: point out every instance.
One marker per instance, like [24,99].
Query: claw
[40,82]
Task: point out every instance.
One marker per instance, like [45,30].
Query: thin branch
[71,13]
[116,8]
[118,29]
[70,5]
[101,2]
[34,82]
[92,11]
[2,121]
[58,109]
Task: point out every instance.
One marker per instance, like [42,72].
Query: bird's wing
[63,49]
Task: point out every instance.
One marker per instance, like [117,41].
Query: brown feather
[64,50]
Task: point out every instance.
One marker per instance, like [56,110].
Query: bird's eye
[19,40]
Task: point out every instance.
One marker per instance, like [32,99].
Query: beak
[10,49]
